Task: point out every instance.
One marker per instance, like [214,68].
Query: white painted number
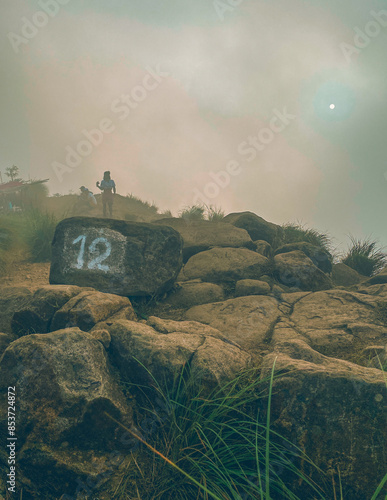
[80,260]
[96,262]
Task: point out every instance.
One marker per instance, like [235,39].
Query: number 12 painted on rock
[96,262]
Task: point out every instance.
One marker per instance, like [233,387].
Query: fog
[225,103]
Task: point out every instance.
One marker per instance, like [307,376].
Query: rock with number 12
[115,256]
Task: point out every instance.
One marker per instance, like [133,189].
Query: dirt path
[27,274]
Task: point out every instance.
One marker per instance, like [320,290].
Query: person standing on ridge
[108,188]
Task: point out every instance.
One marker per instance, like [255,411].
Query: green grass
[295,233]
[365,257]
[142,204]
[202,212]
[38,235]
[212,445]
[215,214]
[195,212]
[12,245]
[26,236]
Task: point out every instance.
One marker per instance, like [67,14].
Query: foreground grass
[26,236]
[198,445]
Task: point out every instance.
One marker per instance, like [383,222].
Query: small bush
[196,212]
[294,233]
[215,214]
[365,257]
[39,234]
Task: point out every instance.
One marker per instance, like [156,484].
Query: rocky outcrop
[334,411]
[343,275]
[251,287]
[379,278]
[5,340]
[89,308]
[295,269]
[37,313]
[264,248]
[115,256]
[321,258]
[202,235]
[55,307]
[12,299]
[339,323]
[82,352]
[248,321]
[258,228]
[225,265]
[144,354]
[192,293]
[64,384]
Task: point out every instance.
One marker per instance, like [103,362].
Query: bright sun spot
[332,106]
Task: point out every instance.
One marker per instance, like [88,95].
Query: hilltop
[188,368]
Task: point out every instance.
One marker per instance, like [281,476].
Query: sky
[277,107]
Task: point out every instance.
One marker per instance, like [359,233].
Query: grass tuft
[211,444]
[39,233]
[215,214]
[365,257]
[295,233]
[195,212]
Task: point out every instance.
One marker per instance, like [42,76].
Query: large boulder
[143,354]
[251,287]
[202,235]
[89,308]
[258,228]
[379,278]
[264,248]
[36,314]
[295,269]
[339,323]
[5,340]
[334,411]
[321,258]
[12,299]
[222,265]
[63,386]
[343,275]
[248,321]
[191,293]
[115,256]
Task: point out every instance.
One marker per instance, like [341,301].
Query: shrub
[295,233]
[39,234]
[365,257]
[195,212]
[215,214]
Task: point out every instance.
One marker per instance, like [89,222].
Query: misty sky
[185,89]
